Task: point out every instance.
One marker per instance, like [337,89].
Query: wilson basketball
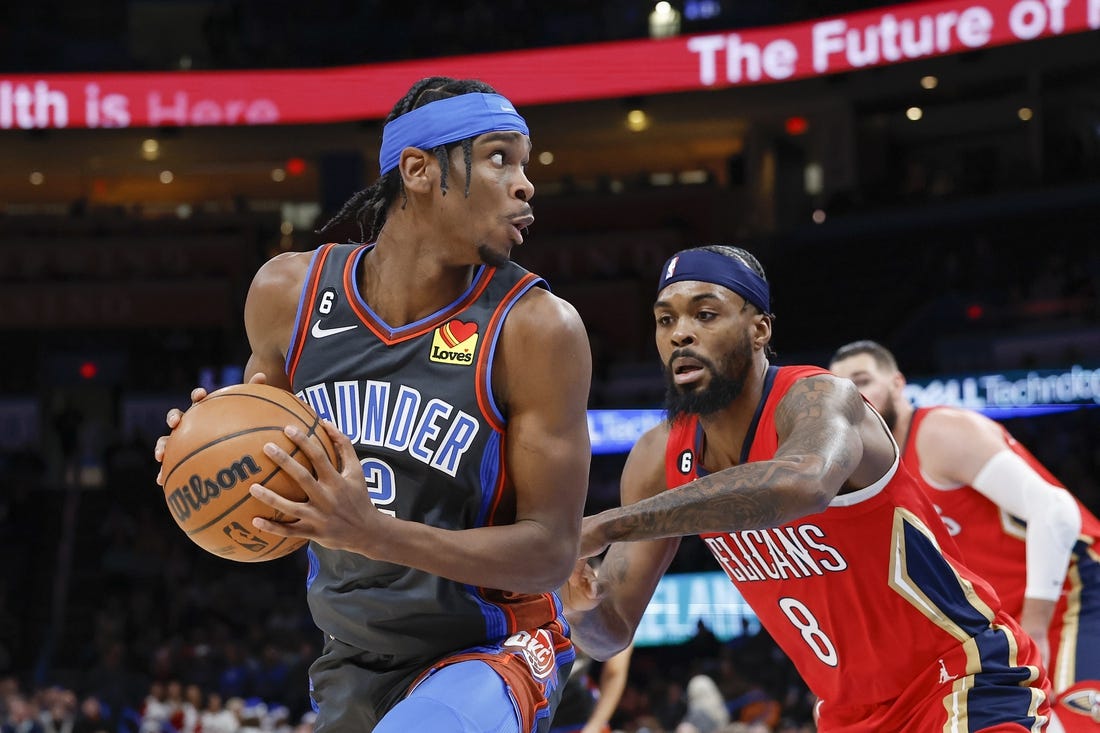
[216,453]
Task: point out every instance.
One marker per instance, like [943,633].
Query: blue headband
[446,121]
[711,267]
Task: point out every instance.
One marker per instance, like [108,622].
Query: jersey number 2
[380,484]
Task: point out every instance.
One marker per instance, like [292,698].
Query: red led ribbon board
[888,35]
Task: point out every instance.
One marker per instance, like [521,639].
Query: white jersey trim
[868,492]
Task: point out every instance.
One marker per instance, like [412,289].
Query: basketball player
[456,386]
[793,481]
[1014,523]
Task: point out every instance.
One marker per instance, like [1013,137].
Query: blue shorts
[465,697]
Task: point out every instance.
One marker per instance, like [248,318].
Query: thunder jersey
[417,403]
[992,542]
[859,596]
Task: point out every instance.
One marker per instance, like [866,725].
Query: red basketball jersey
[860,596]
[990,539]
[992,543]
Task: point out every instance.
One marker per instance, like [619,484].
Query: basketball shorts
[1075,627]
[1008,695]
[509,687]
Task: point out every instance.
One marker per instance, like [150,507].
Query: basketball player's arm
[820,423]
[613,676]
[964,447]
[541,378]
[269,312]
[604,608]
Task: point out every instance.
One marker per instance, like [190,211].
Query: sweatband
[711,267]
[446,121]
[1053,519]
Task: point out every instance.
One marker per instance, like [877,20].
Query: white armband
[1053,519]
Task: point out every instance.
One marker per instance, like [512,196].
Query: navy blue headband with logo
[446,121]
[710,267]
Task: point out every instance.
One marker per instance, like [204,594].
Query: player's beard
[727,379]
[889,414]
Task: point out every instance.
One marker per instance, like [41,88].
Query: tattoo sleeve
[627,578]
[819,447]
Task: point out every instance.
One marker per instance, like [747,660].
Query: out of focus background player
[940,160]
[1014,522]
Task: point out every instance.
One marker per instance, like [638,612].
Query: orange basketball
[216,453]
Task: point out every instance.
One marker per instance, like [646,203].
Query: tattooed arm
[604,608]
[823,426]
[829,441]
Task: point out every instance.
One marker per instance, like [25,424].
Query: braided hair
[369,207]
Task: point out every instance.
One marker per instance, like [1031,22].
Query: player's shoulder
[279,279]
[540,309]
[809,387]
[808,378]
[948,432]
[284,267]
[654,439]
[644,472]
[952,422]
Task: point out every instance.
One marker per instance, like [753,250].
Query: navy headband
[710,267]
[446,121]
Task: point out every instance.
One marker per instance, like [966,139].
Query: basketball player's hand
[582,591]
[1041,641]
[593,541]
[174,416]
[335,512]
[1035,618]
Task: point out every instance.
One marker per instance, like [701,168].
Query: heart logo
[455,332]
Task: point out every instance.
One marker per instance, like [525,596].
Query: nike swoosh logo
[320,333]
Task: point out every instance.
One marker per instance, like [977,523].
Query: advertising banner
[888,35]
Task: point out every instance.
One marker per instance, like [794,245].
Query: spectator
[706,708]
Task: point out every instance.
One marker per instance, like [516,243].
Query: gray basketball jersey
[417,403]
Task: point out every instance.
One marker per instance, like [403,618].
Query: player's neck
[902,423]
[727,429]
[405,280]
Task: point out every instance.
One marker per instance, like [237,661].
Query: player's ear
[761,330]
[419,169]
[898,380]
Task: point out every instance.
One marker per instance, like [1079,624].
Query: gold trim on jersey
[956,703]
[1063,675]
[908,589]
[956,706]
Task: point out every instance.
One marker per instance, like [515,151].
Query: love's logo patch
[454,343]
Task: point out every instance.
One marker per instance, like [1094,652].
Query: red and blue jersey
[991,542]
[862,596]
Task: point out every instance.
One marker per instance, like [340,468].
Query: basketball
[216,453]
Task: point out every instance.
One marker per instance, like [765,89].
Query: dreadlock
[369,207]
